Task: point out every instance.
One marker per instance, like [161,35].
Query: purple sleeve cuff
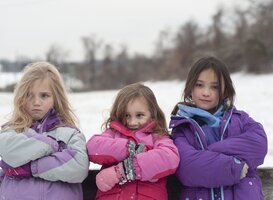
[237,169]
[34,167]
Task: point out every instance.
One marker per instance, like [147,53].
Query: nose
[36,100]
[132,122]
[206,91]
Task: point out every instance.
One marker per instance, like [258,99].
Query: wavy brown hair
[131,92]
[39,71]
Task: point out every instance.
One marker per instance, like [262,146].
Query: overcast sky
[29,27]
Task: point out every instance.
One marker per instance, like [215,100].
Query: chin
[206,108]
[37,118]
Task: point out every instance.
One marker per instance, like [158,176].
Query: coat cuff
[237,169]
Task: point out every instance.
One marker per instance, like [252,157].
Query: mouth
[36,110]
[133,129]
[205,100]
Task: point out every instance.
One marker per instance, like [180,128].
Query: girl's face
[137,114]
[39,100]
[205,91]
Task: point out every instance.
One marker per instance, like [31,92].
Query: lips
[204,100]
[36,110]
[133,128]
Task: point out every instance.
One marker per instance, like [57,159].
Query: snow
[254,95]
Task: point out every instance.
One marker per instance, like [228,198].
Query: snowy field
[254,95]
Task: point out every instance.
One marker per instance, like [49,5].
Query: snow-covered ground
[254,95]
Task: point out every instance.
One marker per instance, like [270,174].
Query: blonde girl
[43,152]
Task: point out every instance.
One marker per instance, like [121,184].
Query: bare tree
[186,41]
[162,53]
[261,35]
[218,34]
[108,73]
[56,54]
[91,46]
[123,65]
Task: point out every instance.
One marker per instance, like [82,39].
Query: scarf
[212,120]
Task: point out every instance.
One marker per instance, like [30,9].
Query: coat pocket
[248,188]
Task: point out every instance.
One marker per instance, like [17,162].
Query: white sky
[253,95]
[29,27]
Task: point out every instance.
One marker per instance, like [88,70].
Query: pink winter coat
[160,159]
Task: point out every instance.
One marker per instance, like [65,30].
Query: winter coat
[220,164]
[56,174]
[152,166]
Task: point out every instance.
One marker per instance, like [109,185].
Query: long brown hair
[131,92]
[223,77]
[39,71]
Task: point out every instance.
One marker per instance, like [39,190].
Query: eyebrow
[216,82]
[45,92]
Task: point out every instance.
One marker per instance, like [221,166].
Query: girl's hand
[107,178]
[244,171]
[22,171]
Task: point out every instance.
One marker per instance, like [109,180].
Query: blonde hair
[39,71]
[131,92]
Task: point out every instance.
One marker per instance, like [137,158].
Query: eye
[127,116]
[44,95]
[215,87]
[198,84]
[140,115]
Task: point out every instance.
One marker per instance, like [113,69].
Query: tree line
[242,38]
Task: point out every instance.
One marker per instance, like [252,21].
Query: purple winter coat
[203,167]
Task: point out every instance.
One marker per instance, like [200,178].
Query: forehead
[208,75]
[138,102]
[41,85]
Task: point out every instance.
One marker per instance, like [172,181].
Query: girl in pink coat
[135,150]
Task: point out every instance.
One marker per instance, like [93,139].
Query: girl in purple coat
[43,153]
[220,147]
[135,150]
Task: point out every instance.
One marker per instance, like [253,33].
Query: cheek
[26,106]
[124,121]
[194,93]
[26,109]
[216,97]
[51,103]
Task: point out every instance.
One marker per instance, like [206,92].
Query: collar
[127,132]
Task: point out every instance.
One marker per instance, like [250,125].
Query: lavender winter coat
[59,163]
[203,167]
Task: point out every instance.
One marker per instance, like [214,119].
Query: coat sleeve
[1,173]
[17,149]
[250,145]
[162,160]
[70,164]
[204,168]
[107,148]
